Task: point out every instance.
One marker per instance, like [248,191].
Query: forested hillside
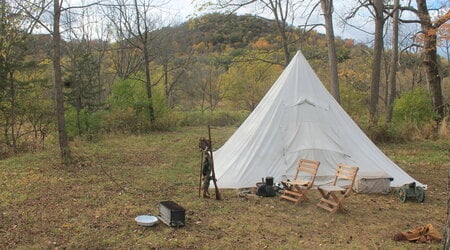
[213,69]
[221,46]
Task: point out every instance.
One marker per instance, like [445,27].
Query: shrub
[414,107]
[129,108]
[414,115]
[89,125]
[410,131]
[379,133]
[126,121]
[354,102]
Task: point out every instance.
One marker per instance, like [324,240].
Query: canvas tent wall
[298,118]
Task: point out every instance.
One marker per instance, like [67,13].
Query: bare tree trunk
[210,90]
[327,9]
[145,43]
[12,93]
[148,83]
[59,97]
[447,228]
[430,55]
[167,91]
[204,90]
[281,15]
[394,63]
[377,56]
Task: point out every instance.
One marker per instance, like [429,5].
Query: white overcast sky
[188,8]
[182,10]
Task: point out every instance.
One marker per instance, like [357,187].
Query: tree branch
[441,20]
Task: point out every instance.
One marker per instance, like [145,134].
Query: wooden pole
[200,182]
[218,194]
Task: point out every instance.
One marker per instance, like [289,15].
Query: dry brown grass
[93,204]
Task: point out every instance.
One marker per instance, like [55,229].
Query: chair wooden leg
[341,206]
[331,202]
[296,195]
[302,194]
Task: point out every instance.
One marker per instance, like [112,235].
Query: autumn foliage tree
[429,31]
[444,39]
[247,82]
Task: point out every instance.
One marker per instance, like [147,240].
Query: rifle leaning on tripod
[207,172]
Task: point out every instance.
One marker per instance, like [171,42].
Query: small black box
[171,214]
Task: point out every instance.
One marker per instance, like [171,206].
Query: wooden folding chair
[333,196]
[296,189]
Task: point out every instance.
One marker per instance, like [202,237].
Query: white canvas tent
[298,118]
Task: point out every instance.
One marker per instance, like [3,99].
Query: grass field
[93,204]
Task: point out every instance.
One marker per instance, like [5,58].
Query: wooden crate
[171,214]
